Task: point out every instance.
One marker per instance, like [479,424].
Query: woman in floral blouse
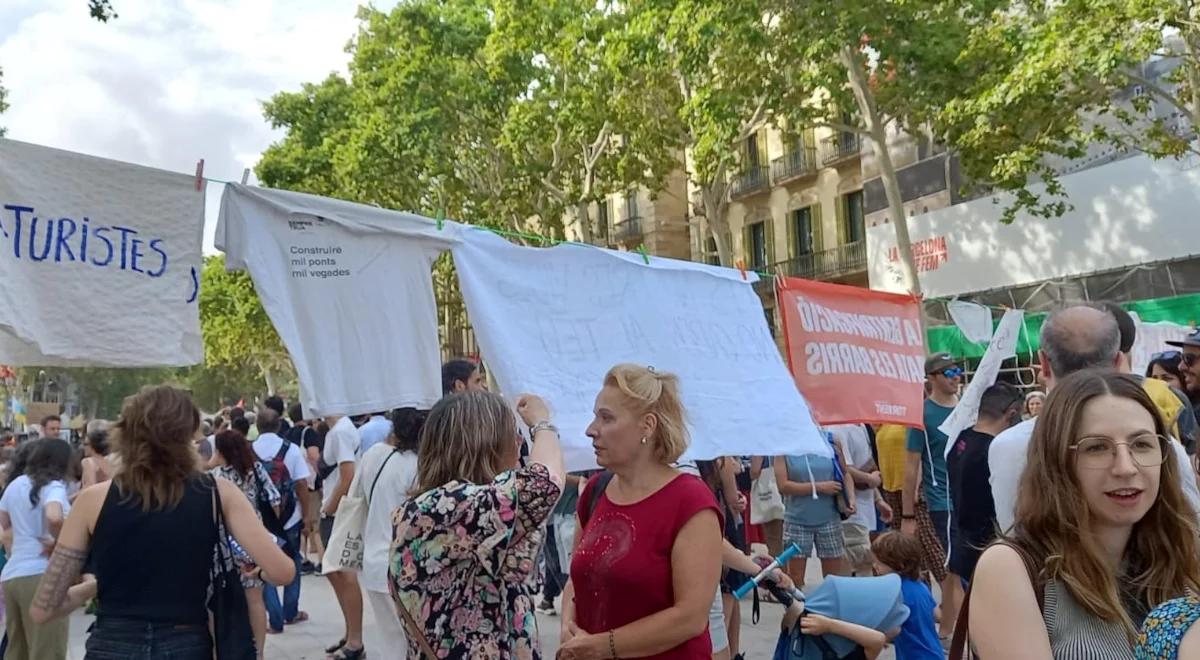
[464,558]
[234,459]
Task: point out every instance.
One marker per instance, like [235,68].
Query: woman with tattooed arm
[152,601]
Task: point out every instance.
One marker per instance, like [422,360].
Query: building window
[602,220]
[855,229]
[631,205]
[711,255]
[756,248]
[802,232]
[753,158]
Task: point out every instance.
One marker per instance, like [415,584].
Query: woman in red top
[649,554]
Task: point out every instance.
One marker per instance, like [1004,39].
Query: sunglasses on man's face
[1188,359]
[953,372]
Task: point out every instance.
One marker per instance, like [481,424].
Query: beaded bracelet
[612,645]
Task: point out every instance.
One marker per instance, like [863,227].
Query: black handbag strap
[960,642]
[223,550]
[380,474]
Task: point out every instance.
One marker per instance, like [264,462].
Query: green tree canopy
[237,332]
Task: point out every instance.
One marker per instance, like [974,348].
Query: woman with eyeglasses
[1102,533]
[1165,367]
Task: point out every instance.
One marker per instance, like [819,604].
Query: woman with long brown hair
[234,459]
[1103,533]
[151,533]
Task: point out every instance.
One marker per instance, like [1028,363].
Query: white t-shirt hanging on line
[266,446]
[349,289]
[29,525]
[342,444]
[396,472]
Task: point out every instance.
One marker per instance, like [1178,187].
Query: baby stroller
[875,603]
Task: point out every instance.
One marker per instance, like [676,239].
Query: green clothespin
[642,251]
[441,218]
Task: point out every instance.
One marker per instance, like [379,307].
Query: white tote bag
[346,545]
[344,552]
[766,504]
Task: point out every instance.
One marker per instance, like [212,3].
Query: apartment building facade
[657,220]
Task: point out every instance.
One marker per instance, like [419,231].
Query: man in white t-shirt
[343,446]
[860,463]
[271,448]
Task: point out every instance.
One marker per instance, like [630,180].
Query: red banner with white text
[857,355]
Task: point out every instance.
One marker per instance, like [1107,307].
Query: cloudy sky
[168,82]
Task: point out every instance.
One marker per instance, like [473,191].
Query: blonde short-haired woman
[648,557]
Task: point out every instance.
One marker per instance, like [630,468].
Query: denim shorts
[129,639]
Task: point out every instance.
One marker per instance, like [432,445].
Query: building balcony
[628,230]
[795,165]
[829,264]
[753,180]
[841,147]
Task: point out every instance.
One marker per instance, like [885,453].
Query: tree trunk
[1192,66]
[713,195]
[269,378]
[887,170]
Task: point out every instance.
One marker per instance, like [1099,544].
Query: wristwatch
[542,426]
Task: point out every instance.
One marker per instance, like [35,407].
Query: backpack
[277,470]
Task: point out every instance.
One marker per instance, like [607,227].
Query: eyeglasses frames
[1099,453]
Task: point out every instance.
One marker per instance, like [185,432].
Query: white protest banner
[1151,339]
[554,321]
[349,289]
[1002,347]
[973,320]
[99,261]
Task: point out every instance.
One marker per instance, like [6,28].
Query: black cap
[1192,339]
[939,361]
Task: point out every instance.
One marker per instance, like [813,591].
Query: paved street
[306,641]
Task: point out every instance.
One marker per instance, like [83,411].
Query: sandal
[301,617]
[349,654]
[336,647]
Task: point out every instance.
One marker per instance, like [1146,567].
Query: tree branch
[1157,90]
[749,127]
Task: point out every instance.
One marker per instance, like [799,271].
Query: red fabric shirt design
[622,567]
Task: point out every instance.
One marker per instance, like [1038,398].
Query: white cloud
[169,81]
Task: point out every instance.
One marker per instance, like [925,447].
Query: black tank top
[154,565]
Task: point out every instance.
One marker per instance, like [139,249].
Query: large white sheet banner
[1152,338]
[554,321]
[973,320]
[99,261]
[348,287]
[1002,347]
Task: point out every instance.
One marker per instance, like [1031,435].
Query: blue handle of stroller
[789,552]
